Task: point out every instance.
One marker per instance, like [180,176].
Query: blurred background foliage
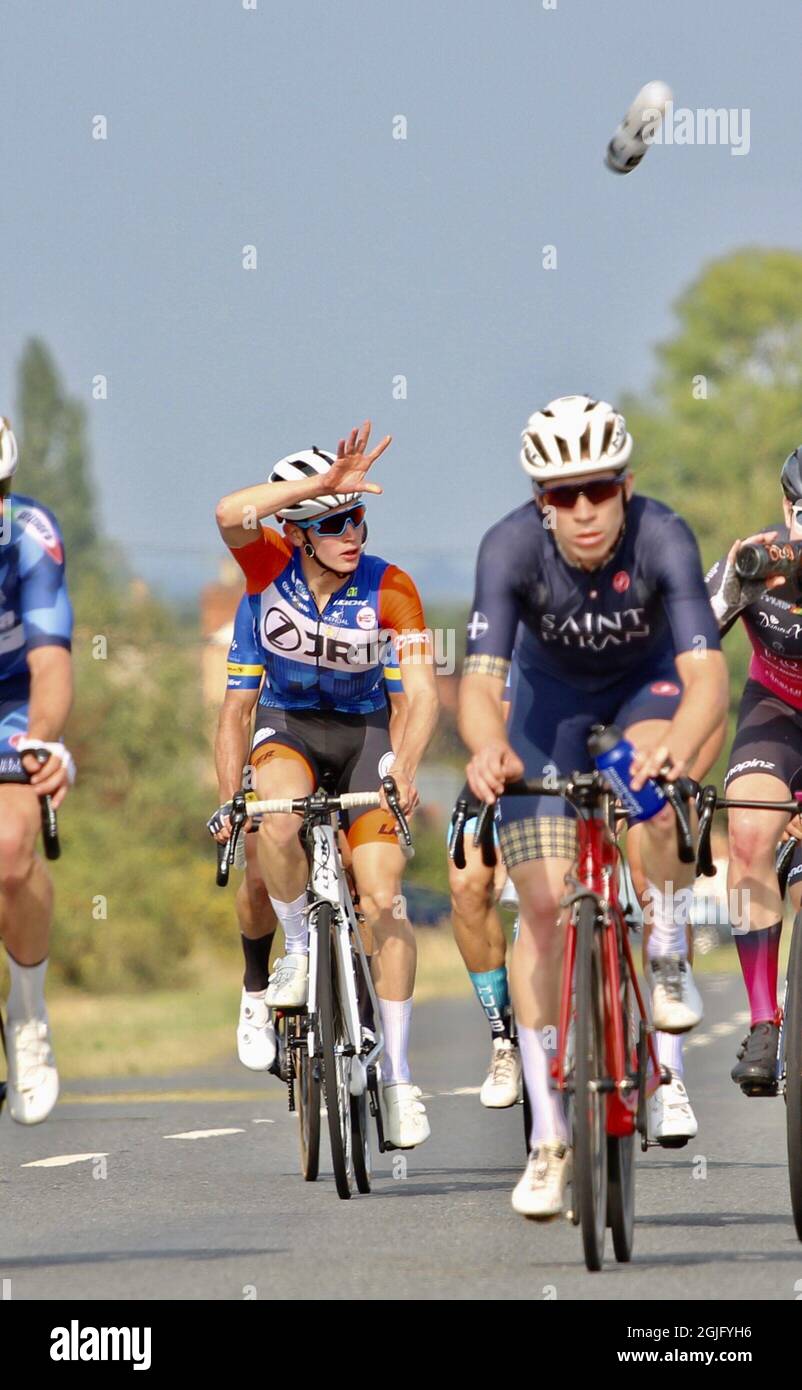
[710,436]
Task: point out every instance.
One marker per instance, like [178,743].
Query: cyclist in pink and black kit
[766,763]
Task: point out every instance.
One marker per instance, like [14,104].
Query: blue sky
[377,257]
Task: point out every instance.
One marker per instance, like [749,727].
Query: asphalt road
[227,1216]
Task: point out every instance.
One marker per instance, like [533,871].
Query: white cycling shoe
[405,1120]
[289,983]
[256,1036]
[670,1118]
[676,1002]
[32,1076]
[502,1085]
[540,1193]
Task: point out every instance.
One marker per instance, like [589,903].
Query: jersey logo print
[36,525]
[595,631]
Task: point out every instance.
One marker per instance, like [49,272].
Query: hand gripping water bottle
[612,754]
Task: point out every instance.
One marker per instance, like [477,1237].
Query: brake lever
[483,835]
[782,863]
[685,850]
[226,852]
[706,802]
[456,842]
[391,792]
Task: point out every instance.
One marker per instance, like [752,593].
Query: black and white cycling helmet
[791,476]
[572,436]
[8,450]
[303,465]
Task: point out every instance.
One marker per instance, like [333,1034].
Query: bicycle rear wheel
[306,1086]
[335,1069]
[792,1040]
[590,1136]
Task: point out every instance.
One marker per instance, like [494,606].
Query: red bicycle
[605,1038]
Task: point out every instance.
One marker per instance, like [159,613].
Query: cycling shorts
[768,738]
[550,722]
[342,752]
[13,723]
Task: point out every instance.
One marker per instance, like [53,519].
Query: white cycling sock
[396,1015]
[669,1051]
[548,1110]
[667,913]
[26,998]
[294,925]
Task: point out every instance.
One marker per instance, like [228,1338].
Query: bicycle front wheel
[590,1136]
[621,1148]
[306,1085]
[335,1067]
[792,1037]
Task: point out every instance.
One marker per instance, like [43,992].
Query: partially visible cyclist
[615,627]
[765,764]
[35,699]
[476,894]
[256,1038]
[325,615]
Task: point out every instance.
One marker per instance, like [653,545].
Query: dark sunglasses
[335,525]
[566,495]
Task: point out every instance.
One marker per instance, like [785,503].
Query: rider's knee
[16,856]
[382,901]
[471,891]
[749,843]
[281,832]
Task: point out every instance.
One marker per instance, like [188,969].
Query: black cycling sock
[257,960]
[364,1001]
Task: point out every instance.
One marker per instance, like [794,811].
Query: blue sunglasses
[334,525]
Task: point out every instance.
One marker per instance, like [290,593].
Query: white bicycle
[324,1047]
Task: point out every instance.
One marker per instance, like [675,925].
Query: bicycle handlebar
[50,839]
[319,803]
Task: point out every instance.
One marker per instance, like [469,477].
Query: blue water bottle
[612,754]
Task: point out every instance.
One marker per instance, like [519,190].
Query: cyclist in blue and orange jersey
[765,764]
[256,1039]
[476,891]
[325,614]
[35,699]
[606,592]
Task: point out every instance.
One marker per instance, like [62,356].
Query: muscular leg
[26,892]
[753,888]
[257,921]
[535,975]
[480,936]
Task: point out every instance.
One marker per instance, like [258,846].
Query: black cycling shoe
[756,1068]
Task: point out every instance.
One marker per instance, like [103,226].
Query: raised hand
[353,461]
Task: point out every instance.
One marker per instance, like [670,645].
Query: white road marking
[722,1030]
[61,1160]
[743,1017]
[203,1133]
[462,1091]
[699,1040]
[262,1122]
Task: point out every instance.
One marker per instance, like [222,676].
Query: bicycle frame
[596,875]
[328,884]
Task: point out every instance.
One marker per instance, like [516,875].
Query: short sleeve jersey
[590,628]
[35,609]
[333,659]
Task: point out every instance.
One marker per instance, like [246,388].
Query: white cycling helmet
[572,436]
[303,465]
[8,450]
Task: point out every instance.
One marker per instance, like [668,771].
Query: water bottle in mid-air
[638,128]
[612,754]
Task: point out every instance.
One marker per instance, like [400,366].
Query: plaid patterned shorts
[544,837]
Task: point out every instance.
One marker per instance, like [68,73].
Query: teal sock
[493,994]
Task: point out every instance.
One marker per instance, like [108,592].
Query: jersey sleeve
[244,665]
[685,597]
[393,683]
[494,613]
[45,605]
[263,559]
[401,613]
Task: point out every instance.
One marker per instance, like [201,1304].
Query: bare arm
[239,513]
[420,689]
[49,704]
[398,720]
[232,741]
[482,721]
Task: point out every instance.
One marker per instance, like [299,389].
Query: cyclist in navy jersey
[766,764]
[35,698]
[606,592]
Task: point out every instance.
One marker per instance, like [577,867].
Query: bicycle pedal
[753,1089]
